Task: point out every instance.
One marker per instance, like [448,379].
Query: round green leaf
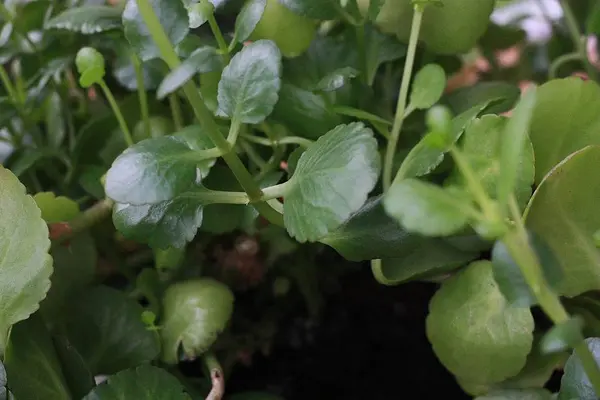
[142,383]
[575,383]
[152,171]
[56,209]
[105,327]
[25,265]
[563,212]
[474,332]
[90,65]
[248,18]
[195,313]
[87,19]
[173,18]
[332,180]
[250,84]
[564,121]
[428,87]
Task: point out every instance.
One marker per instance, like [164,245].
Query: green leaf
[562,211]
[380,48]
[172,16]
[195,313]
[203,60]
[90,65]
[250,84]
[124,72]
[76,372]
[30,353]
[563,336]
[199,11]
[575,383]
[465,98]
[142,383]
[248,18]
[428,87]
[509,277]
[55,122]
[332,180]
[336,79]
[172,223]
[512,146]
[87,19]
[474,332]
[361,114]
[564,121]
[89,180]
[105,327]
[56,209]
[305,112]
[317,9]
[25,265]
[428,209]
[514,394]
[374,9]
[152,171]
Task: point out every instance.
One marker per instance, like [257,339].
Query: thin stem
[578,40]
[10,90]
[204,115]
[214,27]
[217,376]
[253,155]
[283,141]
[560,61]
[176,111]
[400,108]
[141,90]
[86,220]
[234,131]
[220,197]
[117,112]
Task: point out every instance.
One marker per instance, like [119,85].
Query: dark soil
[369,344]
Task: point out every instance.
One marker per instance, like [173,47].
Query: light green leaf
[336,79]
[56,209]
[575,384]
[250,84]
[106,328]
[474,332]
[152,171]
[142,383]
[428,87]
[248,18]
[562,211]
[195,313]
[172,16]
[428,209]
[203,60]
[25,265]
[515,394]
[32,366]
[332,180]
[564,121]
[512,146]
[87,19]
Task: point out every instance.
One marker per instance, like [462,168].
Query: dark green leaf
[30,353]
[428,209]
[250,84]
[195,312]
[509,277]
[152,171]
[204,59]
[124,72]
[374,9]
[317,9]
[248,18]
[336,79]
[89,180]
[463,99]
[332,180]
[25,265]
[75,370]
[563,212]
[142,383]
[361,114]
[563,336]
[380,48]
[575,383]
[106,328]
[474,332]
[428,87]
[172,16]
[88,19]
[593,21]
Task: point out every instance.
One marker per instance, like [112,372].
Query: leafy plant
[162,158]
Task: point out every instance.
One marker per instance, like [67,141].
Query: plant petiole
[142,95]
[117,111]
[214,27]
[176,111]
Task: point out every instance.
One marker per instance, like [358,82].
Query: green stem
[400,108]
[253,155]
[142,96]
[214,27]
[234,131]
[86,220]
[276,191]
[117,112]
[217,376]
[220,197]
[578,40]
[10,90]
[204,116]
[283,141]
[560,61]
[176,111]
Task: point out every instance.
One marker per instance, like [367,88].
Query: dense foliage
[162,159]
